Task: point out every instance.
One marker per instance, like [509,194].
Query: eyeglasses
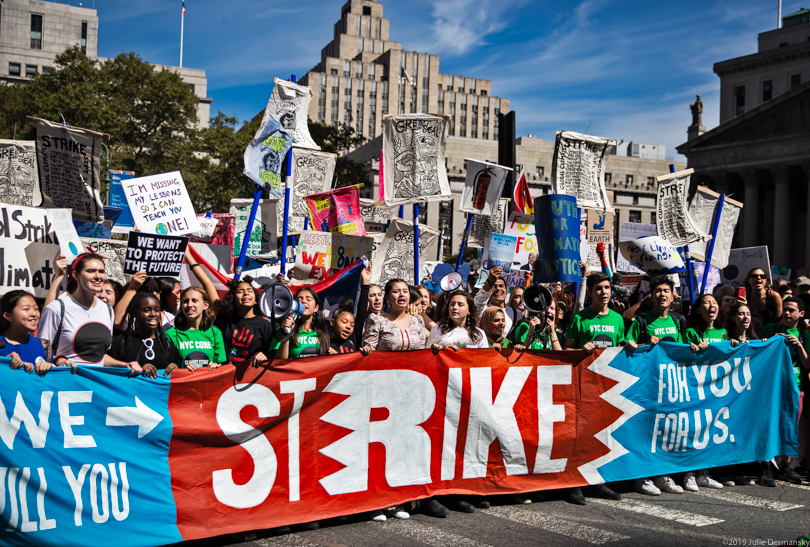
[149,343]
[758,276]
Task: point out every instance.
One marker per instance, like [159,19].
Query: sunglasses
[757,276]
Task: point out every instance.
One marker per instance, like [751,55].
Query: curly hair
[228,313]
[471,324]
[181,321]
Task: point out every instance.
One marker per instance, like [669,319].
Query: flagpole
[286,203]
[416,243]
[182,23]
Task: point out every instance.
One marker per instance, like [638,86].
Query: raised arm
[121,306]
[56,283]
[203,278]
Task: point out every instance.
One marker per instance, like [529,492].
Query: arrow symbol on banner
[141,415]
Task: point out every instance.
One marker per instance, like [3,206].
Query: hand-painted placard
[741,261]
[336,211]
[629,231]
[263,239]
[312,173]
[600,227]
[483,226]
[394,257]
[69,242]
[68,162]
[500,253]
[513,278]
[652,255]
[414,147]
[19,178]
[28,248]
[483,187]
[265,154]
[578,169]
[320,254]
[157,255]
[160,204]
[702,210]
[557,226]
[521,226]
[113,251]
[673,220]
[289,105]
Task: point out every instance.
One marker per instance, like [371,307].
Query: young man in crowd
[798,342]
[493,293]
[658,325]
[596,326]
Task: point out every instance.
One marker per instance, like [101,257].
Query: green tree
[339,139]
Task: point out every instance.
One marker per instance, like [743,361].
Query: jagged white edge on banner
[613,396]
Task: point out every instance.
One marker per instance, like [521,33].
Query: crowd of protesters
[153,327]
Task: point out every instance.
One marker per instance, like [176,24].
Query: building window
[366,10]
[333,72]
[650,181]
[14,69]
[653,217]
[30,71]
[541,171]
[47,70]
[36,31]
[635,216]
[608,178]
[84,37]
[484,92]
[767,90]
[739,93]
[629,180]
[485,133]
[795,80]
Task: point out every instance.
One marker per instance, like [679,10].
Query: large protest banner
[578,169]
[414,147]
[336,211]
[673,220]
[394,257]
[557,225]
[702,209]
[19,178]
[28,248]
[322,253]
[312,173]
[160,204]
[114,252]
[483,226]
[263,240]
[152,462]
[68,161]
[157,255]
[483,187]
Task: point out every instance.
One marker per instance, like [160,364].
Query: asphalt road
[739,516]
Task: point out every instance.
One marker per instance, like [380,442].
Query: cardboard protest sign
[289,105]
[702,210]
[160,204]
[336,211]
[263,239]
[673,221]
[600,227]
[578,169]
[312,173]
[19,178]
[483,226]
[28,248]
[500,252]
[69,242]
[118,198]
[266,152]
[652,255]
[483,187]
[320,254]
[414,147]
[114,252]
[513,278]
[521,226]
[157,255]
[100,230]
[68,162]
[741,261]
[558,239]
[394,257]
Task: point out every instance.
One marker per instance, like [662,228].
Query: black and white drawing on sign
[312,173]
[289,104]
[578,169]
[19,180]
[394,257]
[114,252]
[376,214]
[68,164]
[414,148]
[673,221]
[483,226]
[701,210]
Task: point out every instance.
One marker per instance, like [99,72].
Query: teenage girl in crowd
[538,332]
[347,335]
[198,343]
[144,340]
[375,299]
[396,329]
[78,324]
[516,308]
[310,336]
[493,323]
[248,335]
[703,329]
[740,326]
[18,322]
[459,328]
[760,298]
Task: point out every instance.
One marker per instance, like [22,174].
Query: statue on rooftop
[697,111]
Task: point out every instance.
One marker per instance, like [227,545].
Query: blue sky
[627,69]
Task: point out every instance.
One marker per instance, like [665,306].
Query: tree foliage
[339,139]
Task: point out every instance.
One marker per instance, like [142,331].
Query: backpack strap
[680,320]
[643,334]
[55,342]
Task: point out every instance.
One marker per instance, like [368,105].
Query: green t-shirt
[605,331]
[712,336]
[540,340]
[770,331]
[304,344]
[197,347]
[665,328]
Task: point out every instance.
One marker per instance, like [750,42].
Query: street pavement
[738,516]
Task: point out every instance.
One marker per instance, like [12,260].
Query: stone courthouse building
[760,152]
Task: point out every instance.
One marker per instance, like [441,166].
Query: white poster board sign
[160,204]
[483,187]
[743,260]
[627,232]
[578,169]
[69,241]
